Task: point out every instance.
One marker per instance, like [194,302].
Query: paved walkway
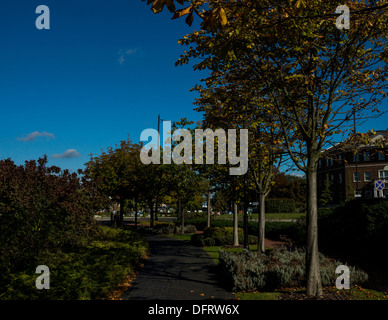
[176,270]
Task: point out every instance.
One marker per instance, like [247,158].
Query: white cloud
[68,154]
[33,135]
[124,54]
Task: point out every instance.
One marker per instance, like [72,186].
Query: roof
[363,141]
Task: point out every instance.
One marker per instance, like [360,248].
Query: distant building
[354,175]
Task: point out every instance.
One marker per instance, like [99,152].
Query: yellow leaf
[182,12]
[223,18]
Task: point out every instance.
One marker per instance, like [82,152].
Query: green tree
[326,195]
[116,172]
[314,75]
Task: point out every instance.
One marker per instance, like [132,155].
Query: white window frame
[354,176]
[380,172]
[370,176]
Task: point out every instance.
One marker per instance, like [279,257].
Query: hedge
[216,236]
[247,271]
[280,206]
[359,226]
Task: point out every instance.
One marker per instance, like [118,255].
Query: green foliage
[279,268]
[288,186]
[163,228]
[219,236]
[43,207]
[85,272]
[280,206]
[296,231]
[361,225]
[326,195]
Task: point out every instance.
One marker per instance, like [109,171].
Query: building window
[327,162]
[340,178]
[383,174]
[381,155]
[319,163]
[356,157]
[367,156]
[339,157]
[356,177]
[332,178]
[367,176]
[368,194]
[331,161]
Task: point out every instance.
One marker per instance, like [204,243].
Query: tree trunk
[246,242]
[136,213]
[235,224]
[182,218]
[208,210]
[261,235]
[121,212]
[152,215]
[156,209]
[314,284]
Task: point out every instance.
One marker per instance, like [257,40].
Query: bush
[199,223]
[216,236]
[90,271]
[273,230]
[171,229]
[280,206]
[361,225]
[43,207]
[295,231]
[279,268]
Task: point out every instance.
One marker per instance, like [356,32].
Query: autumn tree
[317,76]
[116,172]
[43,208]
[326,196]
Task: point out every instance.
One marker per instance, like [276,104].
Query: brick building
[354,175]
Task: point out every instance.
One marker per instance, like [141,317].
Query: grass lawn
[214,251]
[183,237]
[257,295]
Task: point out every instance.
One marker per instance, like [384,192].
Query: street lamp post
[357,156]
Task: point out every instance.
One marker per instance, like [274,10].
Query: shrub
[280,206]
[361,225]
[89,271]
[43,207]
[171,229]
[216,236]
[279,268]
[295,231]
[199,223]
[273,230]
[190,228]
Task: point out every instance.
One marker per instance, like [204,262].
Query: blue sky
[103,71]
